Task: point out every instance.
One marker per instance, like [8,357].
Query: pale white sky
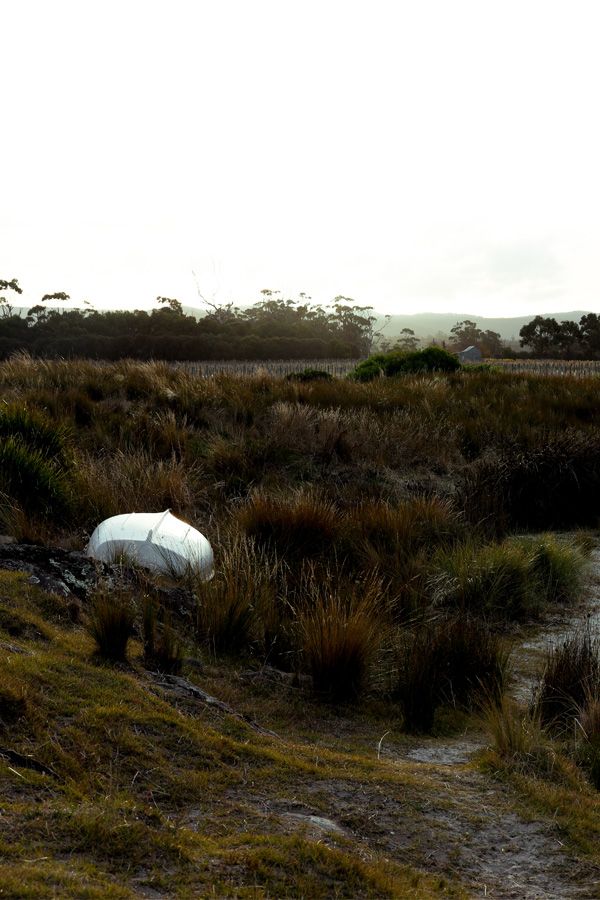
[415,155]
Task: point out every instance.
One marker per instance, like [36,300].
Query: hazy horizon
[423,157]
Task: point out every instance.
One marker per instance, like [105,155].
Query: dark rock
[69,574]
[74,576]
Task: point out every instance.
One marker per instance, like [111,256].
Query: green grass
[150,794]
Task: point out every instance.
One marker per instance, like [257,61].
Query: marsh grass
[129,481]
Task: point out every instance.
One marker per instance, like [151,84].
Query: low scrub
[398,362]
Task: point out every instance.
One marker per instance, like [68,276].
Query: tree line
[543,337]
[275,328]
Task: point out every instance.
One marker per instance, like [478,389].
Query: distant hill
[431,324]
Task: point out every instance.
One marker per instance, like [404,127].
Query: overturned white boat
[156,541]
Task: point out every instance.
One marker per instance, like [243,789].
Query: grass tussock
[14,700]
[340,633]
[494,580]
[163,650]
[559,568]
[454,662]
[240,610]
[588,738]
[111,623]
[299,526]
[570,680]
[519,739]
[513,579]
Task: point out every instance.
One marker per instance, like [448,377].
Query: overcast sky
[417,156]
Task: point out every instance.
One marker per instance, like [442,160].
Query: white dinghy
[156,541]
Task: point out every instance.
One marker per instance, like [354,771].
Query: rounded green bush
[398,362]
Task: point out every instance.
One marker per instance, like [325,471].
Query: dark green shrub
[399,362]
[431,359]
[368,369]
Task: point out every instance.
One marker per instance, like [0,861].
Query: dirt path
[471,828]
[452,821]
[528,656]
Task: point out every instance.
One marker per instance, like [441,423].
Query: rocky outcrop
[74,576]
[69,574]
